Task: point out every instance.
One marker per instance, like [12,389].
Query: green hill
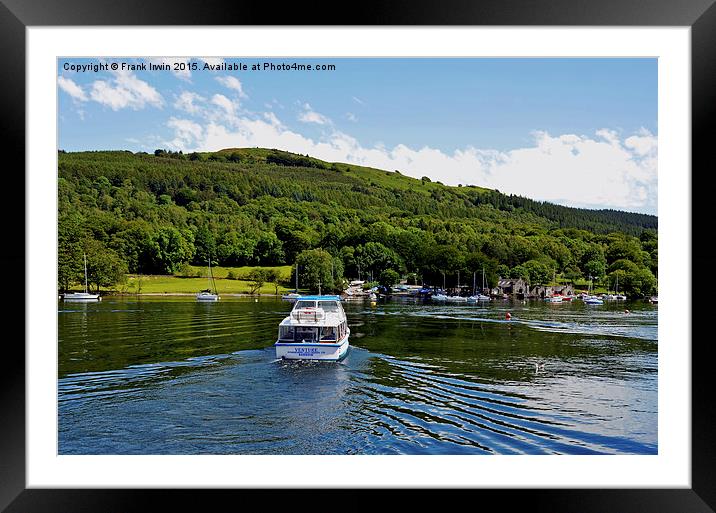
[152,213]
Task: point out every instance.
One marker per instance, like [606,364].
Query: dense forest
[154,213]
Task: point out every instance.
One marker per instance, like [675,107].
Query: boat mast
[85,257]
[483,280]
[473,283]
[211,277]
[296,277]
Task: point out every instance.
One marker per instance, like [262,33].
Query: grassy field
[241,273]
[162,284]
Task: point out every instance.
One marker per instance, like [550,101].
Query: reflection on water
[175,376]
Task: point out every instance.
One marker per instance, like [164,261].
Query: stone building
[512,286]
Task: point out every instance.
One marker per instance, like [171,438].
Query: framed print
[460,208]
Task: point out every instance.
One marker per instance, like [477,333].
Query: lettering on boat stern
[307,350]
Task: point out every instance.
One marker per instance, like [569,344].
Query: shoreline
[188,294]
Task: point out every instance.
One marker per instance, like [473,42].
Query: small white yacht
[478,297]
[207,294]
[439,297]
[81,296]
[316,329]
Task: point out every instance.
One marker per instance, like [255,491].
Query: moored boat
[316,329]
[82,296]
[207,294]
[593,300]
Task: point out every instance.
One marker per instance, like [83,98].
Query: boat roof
[319,298]
[330,319]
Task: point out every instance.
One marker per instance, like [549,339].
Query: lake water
[175,376]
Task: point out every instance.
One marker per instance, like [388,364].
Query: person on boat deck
[328,334]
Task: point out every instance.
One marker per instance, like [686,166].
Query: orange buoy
[508,316]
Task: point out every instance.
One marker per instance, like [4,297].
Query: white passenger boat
[81,296]
[316,329]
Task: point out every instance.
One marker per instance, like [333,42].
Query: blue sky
[580,132]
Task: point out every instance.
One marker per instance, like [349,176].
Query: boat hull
[312,350]
[81,297]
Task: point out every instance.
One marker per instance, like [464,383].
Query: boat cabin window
[305,304]
[286,333]
[329,306]
[304,334]
[328,334]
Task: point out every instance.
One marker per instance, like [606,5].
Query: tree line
[153,213]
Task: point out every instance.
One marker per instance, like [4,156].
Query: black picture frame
[16,15]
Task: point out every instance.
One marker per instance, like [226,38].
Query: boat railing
[308,314]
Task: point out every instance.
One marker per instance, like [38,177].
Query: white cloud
[604,170]
[228,106]
[71,88]
[186,132]
[273,120]
[125,90]
[232,83]
[310,116]
[358,101]
[186,101]
[351,117]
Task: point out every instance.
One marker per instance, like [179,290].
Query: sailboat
[478,297]
[592,300]
[207,294]
[81,296]
[617,296]
[458,298]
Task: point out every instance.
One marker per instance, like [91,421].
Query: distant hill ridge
[598,220]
